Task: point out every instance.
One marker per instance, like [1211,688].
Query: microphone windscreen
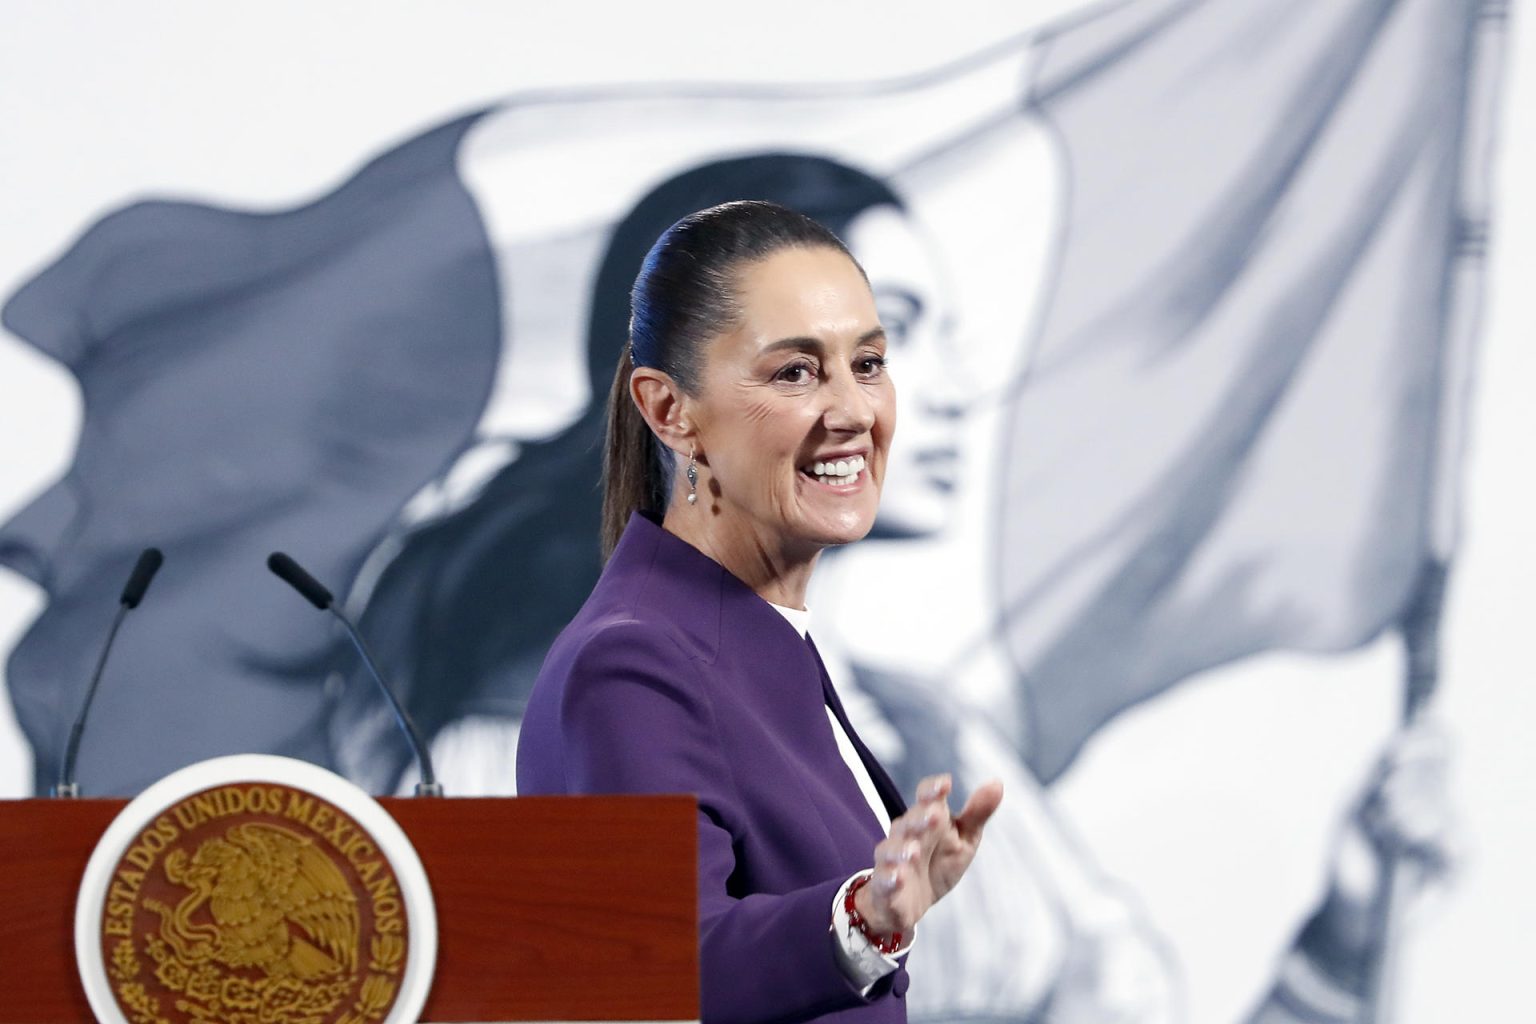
[291,573]
[143,571]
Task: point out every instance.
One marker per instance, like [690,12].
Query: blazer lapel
[895,806]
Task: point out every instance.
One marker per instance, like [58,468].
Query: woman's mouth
[841,473]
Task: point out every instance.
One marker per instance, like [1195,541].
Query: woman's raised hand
[925,854]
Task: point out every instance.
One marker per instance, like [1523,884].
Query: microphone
[150,560]
[293,574]
[133,592]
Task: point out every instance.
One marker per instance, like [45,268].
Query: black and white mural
[1206,521]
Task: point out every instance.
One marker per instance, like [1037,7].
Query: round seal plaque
[255,890]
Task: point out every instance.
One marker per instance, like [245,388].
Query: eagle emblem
[274,902]
[255,903]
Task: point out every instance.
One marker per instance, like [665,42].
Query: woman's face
[920,480]
[795,410]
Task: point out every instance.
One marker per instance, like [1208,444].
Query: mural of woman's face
[910,295]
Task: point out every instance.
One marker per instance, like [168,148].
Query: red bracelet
[856,919]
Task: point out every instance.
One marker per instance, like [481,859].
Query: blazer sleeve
[635,718]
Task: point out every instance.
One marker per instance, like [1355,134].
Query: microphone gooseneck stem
[67,786]
[428,786]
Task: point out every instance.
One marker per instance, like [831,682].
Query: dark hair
[685,295]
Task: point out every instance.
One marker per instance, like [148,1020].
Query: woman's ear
[664,407]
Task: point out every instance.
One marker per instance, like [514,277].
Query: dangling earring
[693,478]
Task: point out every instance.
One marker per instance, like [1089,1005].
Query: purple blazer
[676,678]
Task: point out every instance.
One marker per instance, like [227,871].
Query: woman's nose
[849,408]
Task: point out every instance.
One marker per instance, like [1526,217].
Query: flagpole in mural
[1420,632]
[1419,627]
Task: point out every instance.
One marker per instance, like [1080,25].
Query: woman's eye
[796,373]
[870,366]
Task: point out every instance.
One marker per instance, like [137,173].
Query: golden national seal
[254,904]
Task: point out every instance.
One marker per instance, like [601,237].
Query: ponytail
[631,478]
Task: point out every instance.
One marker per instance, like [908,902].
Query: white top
[860,961]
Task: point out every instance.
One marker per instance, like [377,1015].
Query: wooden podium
[548,908]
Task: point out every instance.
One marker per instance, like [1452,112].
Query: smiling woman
[750,419]
[451,616]
[797,383]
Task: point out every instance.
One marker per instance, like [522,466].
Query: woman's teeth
[839,472]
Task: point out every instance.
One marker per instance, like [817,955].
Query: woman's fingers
[934,787]
[926,852]
[896,855]
[928,820]
[899,890]
[892,904]
[963,838]
[983,803]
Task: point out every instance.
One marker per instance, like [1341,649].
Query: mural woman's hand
[1402,823]
[925,854]
[1404,814]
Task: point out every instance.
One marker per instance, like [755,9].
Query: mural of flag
[1238,426]
[252,382]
